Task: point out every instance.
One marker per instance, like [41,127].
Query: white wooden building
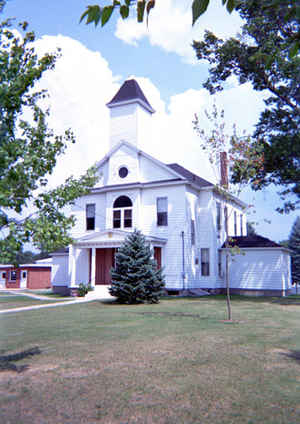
[181,214]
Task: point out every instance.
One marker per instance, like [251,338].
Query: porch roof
[112,238]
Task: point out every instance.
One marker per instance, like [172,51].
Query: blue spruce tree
[294,246]
[135,278]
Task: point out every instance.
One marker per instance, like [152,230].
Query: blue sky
[95,62]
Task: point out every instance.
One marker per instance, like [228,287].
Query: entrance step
[99,292]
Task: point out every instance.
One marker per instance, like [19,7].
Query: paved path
[61,302]
[33,295]
[48,305]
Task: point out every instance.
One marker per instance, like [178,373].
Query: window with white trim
[235,223]
[162,211]
[220,263]
[192,232]
[218,206]
[205,262]
[122,212]
[226,219]
[90,212]
[13,275]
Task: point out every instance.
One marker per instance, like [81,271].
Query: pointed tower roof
[130,92]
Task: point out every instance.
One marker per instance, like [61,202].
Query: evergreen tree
[135,278]
[294,246]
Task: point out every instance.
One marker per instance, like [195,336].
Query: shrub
[83,289]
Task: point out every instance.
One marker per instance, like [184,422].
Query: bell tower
[130,114]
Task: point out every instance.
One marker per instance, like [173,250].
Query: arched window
[122,212]
[122,202]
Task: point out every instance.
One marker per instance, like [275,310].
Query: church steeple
[129,113]
[130,92]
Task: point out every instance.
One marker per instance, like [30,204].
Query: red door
[157,256]
[104,261]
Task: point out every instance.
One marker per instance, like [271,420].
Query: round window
[123,172]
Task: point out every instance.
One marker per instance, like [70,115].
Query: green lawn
[176,362]
[10,301]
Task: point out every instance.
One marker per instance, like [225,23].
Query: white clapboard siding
[260,269]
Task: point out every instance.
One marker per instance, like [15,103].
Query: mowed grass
[175,362]
[11,301]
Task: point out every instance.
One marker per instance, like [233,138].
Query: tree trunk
[227,287]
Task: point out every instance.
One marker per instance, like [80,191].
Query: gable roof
[251,241]
[190,176]
[169,169]
[130,92]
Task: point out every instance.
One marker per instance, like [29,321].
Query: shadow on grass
[6,360]
[289,300]
[292,354]
[172,314]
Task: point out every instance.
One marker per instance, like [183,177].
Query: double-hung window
[90,211]
[205,262]
[162,211]
[235,223]
[122,212]
[226,219]
[192,232]
[13,275]
[218,206]
[241,224]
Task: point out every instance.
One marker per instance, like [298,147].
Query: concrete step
[99,292]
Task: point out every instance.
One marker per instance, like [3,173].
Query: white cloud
[170,27]
[173,138]
[79,87]
[82,83]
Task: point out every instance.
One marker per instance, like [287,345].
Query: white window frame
[122,217]
[90,217]
[205,251]
[10,274]
[164,221]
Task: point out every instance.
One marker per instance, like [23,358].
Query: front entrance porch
[91,257]
[105,259]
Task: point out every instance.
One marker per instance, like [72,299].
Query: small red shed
[27,276]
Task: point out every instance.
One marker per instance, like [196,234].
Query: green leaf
[294,49]
[230,6]
[140,10]
[106,14]
[124,11]
[93,14]
[198,8]
[83,16]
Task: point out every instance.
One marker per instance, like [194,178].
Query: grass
[176,362]
[11,301]
[48,293]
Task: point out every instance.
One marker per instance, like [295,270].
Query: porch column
[93,267]
[72,264]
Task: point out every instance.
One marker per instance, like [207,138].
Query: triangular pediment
[141,167]
[111,237]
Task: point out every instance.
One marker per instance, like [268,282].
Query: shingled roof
[251,241]
[129,92]
[193,178]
